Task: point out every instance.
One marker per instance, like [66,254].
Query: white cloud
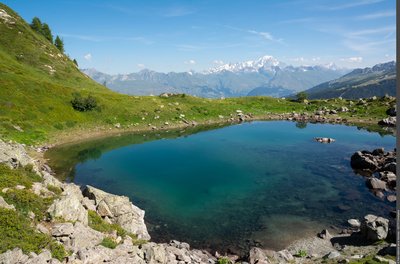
[351,4]
[352,59]
[218,62]
[141,65]
[266,35]
[389,13]
[191,62]
[88,57]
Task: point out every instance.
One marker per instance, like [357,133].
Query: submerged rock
[324,140]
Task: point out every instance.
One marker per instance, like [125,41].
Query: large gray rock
[363,161]
[257,256]
[69,207]
[15,256]
[14,155]
[62,229]
[374,228]
[84,237]
[376,184]
[119,210]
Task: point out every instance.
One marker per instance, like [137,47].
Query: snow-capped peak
[265,63]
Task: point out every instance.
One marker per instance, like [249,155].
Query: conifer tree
[46,32]
[36,24]
[59,43]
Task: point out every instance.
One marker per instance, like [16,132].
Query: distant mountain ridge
[359,83]
[264,76]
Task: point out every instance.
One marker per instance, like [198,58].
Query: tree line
[44,29]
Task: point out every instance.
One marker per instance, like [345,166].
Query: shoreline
[75,136]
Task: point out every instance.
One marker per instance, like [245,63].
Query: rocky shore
[68,223]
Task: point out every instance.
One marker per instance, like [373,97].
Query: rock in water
[363,161]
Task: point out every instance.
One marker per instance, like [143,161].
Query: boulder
[324,140]
[390,166]
[257,256]
[374,228]
[363,161]
[14,155]
[68,208]
[43,257]
[324,234]
[84,237]
[13,257]
[332,255]
[62,229]
[119,210]
[376,184]
[355,223]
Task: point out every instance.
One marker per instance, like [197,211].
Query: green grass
[40,102]
[301,254]
[108,243]
[9,178]
[16,231]
[56,190]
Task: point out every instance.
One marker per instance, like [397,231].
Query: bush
[16,231]
[108,243]
[97,223]
[83,104]
[26,201]
[301,96]
[223,260]
[20,176]
[58,251]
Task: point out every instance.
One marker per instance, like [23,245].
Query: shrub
[58,250]
[26,201]
[21,176]
[97,223]
[56,190]
[16,231]
[108,243]
[301,254]
[223,260]
[83,104]
[301,96]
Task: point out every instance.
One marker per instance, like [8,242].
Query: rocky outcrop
[14,155]
[380,168]
[374,228]
[68,206]
[119,210]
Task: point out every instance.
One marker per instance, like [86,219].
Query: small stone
[391,198]
[332,255]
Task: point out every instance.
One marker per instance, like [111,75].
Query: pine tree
[46,32]
[76,63]
[59,43]
[36,24]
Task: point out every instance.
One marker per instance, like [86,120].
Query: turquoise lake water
[263,183]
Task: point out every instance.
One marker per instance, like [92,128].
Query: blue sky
[127,36]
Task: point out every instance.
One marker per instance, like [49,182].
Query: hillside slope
[360,83]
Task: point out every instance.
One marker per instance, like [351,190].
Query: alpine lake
[228,188]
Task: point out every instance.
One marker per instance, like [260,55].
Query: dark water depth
[264,183]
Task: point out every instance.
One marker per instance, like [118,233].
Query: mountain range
[360,83]
[264,76]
